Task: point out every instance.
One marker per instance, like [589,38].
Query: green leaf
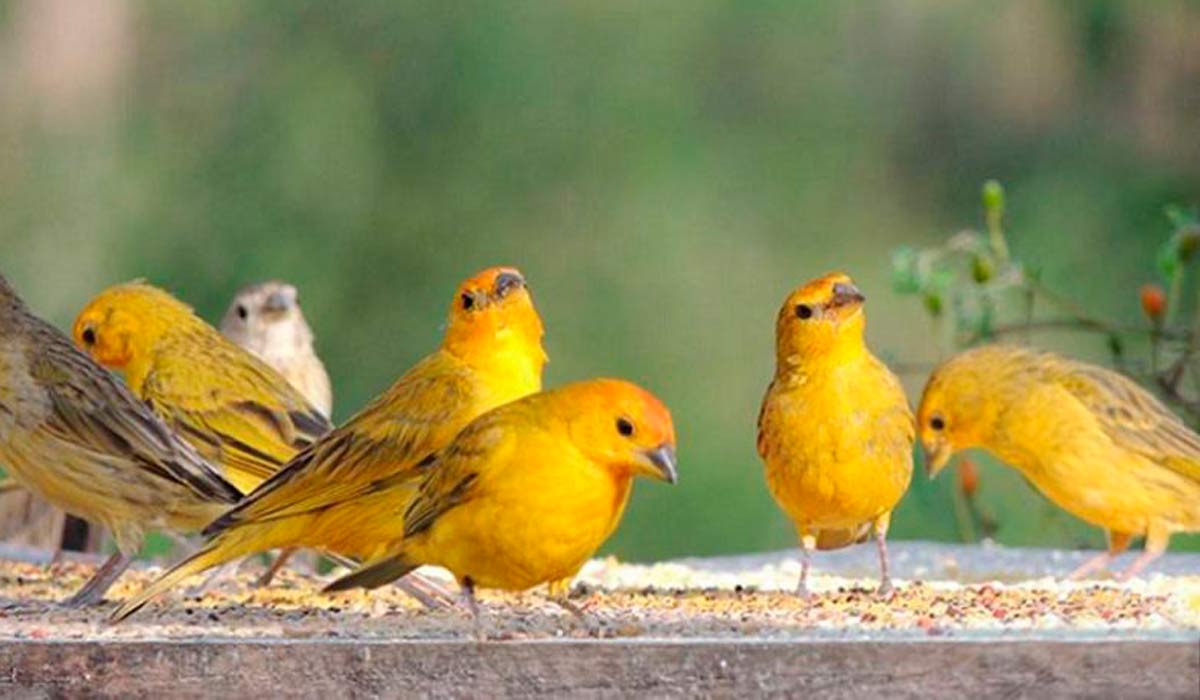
[906,277]
[1169,262]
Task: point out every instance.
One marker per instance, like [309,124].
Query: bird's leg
[221,573]
[269,575]
[560,592]
[1118,542]
[427,593]
[93,591]
[808,542]
[1156,543]
[468,594]
[881,528]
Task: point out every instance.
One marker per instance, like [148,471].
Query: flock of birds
[466,463]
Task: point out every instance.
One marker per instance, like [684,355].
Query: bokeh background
[662,172]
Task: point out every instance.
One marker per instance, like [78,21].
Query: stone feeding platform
[964,620]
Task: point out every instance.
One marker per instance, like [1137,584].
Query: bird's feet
[1091,566]
[579,612]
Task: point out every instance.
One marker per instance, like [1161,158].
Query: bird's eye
[242,312]
[467,300]
[804,311]
[624,427]
[89,336]
[937,423]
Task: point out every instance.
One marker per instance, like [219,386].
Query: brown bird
[78,438]
[266,319]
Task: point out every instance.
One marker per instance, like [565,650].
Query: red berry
[1154,301]
[968,477]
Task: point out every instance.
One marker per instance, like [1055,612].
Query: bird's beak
[845,294]
[936,457]
[277,302]
[662,464]
[506,282]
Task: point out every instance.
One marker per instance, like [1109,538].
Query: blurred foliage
[974,271]
[663,173]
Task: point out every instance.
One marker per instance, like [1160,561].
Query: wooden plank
[1125,667]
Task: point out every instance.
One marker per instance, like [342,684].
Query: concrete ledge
[1126,668]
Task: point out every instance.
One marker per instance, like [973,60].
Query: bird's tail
[836,539]
[215,553]
[374,574]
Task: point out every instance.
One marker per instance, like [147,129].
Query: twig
[1088,325]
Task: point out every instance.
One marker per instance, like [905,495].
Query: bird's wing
[763,441]
[452,477]
[92,410]
[245,415]
[1134,419]
[418,414]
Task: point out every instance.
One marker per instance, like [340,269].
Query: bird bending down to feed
[1093,441]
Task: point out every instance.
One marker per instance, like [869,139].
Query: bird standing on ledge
[835,430]
[528,492]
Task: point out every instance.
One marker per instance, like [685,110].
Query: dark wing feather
[250,420]
[94,411]
[418,414]
[1134,419]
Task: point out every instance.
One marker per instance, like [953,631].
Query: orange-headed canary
[835,430]
[235,410]
[266,320]
[1090,439]
[74,435]
[529,491]
[332,496]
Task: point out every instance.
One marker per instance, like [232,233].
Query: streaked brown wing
[1133,418]
[92,410]
[418,414]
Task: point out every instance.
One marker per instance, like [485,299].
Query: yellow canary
[330,497]
[76,437]
[1090,439]
[835,431]
[235,410]
[529,491]
[266,320]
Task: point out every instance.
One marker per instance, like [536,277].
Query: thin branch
[1085,325]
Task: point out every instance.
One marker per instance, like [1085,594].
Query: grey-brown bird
[266,319]
[75,436]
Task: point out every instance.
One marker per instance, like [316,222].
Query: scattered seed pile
[618,600]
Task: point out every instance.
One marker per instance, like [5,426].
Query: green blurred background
[662,172]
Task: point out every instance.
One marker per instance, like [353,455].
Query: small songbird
[74,435]
[528,492]
[235,410]
[1093,441]
[266,320]
[332,497]
[835,431]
